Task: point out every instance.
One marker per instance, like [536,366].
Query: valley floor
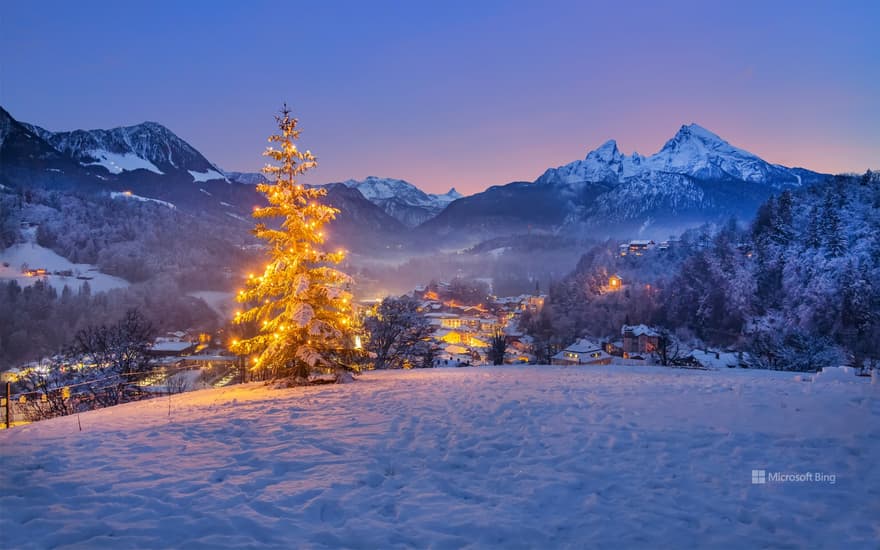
[511,457]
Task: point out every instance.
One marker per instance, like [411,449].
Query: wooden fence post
[8,404]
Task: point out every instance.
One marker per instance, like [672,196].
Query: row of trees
[37,320]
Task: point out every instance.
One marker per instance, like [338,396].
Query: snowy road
[514,457]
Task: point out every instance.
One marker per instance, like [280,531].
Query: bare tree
[497,348]
[113,359]
[397,333]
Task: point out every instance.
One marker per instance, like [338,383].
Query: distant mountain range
[398,198]
[150,161]
[403,200]
[696,177]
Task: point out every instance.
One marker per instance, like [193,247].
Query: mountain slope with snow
[696,177]
[150,162]
[248,178]
[147,146]
[693,151]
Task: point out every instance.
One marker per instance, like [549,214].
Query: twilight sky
[455,93]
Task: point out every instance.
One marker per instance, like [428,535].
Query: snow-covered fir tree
[299,304]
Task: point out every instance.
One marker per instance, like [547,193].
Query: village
[462,331]
[461,335]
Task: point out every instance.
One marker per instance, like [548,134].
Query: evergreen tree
[781,222]
[813,237]
[299,303]
[834,239]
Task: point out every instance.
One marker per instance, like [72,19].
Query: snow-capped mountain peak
[700,153]
[401,199]
[603,164]
[607,153]
[694,151]
[377,189]
[449,196]
[148,146]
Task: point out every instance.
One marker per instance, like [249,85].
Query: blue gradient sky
[466,94]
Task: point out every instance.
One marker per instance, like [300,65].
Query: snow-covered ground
[537,457]
[131,196]
[116,163]
[207,175]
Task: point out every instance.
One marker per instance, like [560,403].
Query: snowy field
[513,457]
[38,257]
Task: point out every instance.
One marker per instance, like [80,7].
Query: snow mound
[130,195]
[533,457]
[836,374]
[116,163]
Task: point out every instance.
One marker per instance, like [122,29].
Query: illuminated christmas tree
[299,304]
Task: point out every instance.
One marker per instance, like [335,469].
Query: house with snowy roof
[637,247]
[582,352]
[171,347]
[639,339]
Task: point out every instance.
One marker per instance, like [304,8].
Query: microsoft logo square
[759,477]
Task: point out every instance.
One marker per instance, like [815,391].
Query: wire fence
[56,398]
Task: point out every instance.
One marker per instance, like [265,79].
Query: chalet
[638,247]
[445,320]
[639,339]
[582,352]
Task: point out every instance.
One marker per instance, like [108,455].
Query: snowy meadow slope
[491,457]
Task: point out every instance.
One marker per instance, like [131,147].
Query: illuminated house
[639,339]
[615,283]
[448,336]
[639,247]
[582,352]
[166,347]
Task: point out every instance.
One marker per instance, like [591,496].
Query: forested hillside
[796,286]
[165,254]
[132,239]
